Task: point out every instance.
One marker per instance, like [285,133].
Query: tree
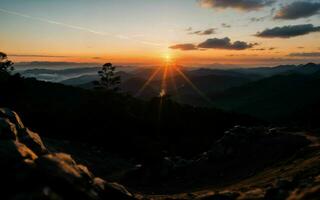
[6,66]
[108,79]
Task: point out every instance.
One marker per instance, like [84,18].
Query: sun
[168,58]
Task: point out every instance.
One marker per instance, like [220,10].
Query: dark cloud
[224,25]
[299,9]
[246,5]
[305,54]
[225,43]
[288,31]
[209,31]
[184,47]
[215,43]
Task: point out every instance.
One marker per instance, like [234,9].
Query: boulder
[32,140]
[13,152]
[12,128]
[8,130]
[112,190]
[12,116]
[34,173]
[309,193]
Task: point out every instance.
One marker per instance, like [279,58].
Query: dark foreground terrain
[245,163]
[262,142]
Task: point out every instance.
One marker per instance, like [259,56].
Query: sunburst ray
[153,75]
[195,88]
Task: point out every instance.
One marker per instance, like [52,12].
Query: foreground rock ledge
[30,171]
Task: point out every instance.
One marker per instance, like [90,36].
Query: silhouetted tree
[6,66]
[108,79]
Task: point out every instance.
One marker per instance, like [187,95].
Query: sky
[147,32]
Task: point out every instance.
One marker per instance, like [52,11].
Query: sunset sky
[145,32]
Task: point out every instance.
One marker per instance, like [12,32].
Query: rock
[32,140]
[8,130]
[221,196]
[257,194]
[36,174]
[62,167]
[309,193]
[112,190]
[249,142]
[13,152]
[12,128]
[12,116]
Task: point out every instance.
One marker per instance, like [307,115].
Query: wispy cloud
[224,25]
[80,28]
[37,56]
[209,31]
[305,54]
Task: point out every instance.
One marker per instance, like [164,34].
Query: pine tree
[108,79]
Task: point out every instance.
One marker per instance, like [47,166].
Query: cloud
[215,43]
[288,31]
[305,54]
[261,49]
[257,19]
[245,5]
[299,9]
[79,28]
[37,56]
[264,49]
[263,18]
[97,58]
[184,47]
[209,31]
[225,43]
[224,25]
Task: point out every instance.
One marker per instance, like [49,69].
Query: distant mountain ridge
[271,71]
[210,82]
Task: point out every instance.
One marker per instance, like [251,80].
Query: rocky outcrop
[241,154]
[29,171]
[250,144]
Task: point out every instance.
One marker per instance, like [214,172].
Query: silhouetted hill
[309,68]
[211,83]
[122,123]
[218,72]
[273,98]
